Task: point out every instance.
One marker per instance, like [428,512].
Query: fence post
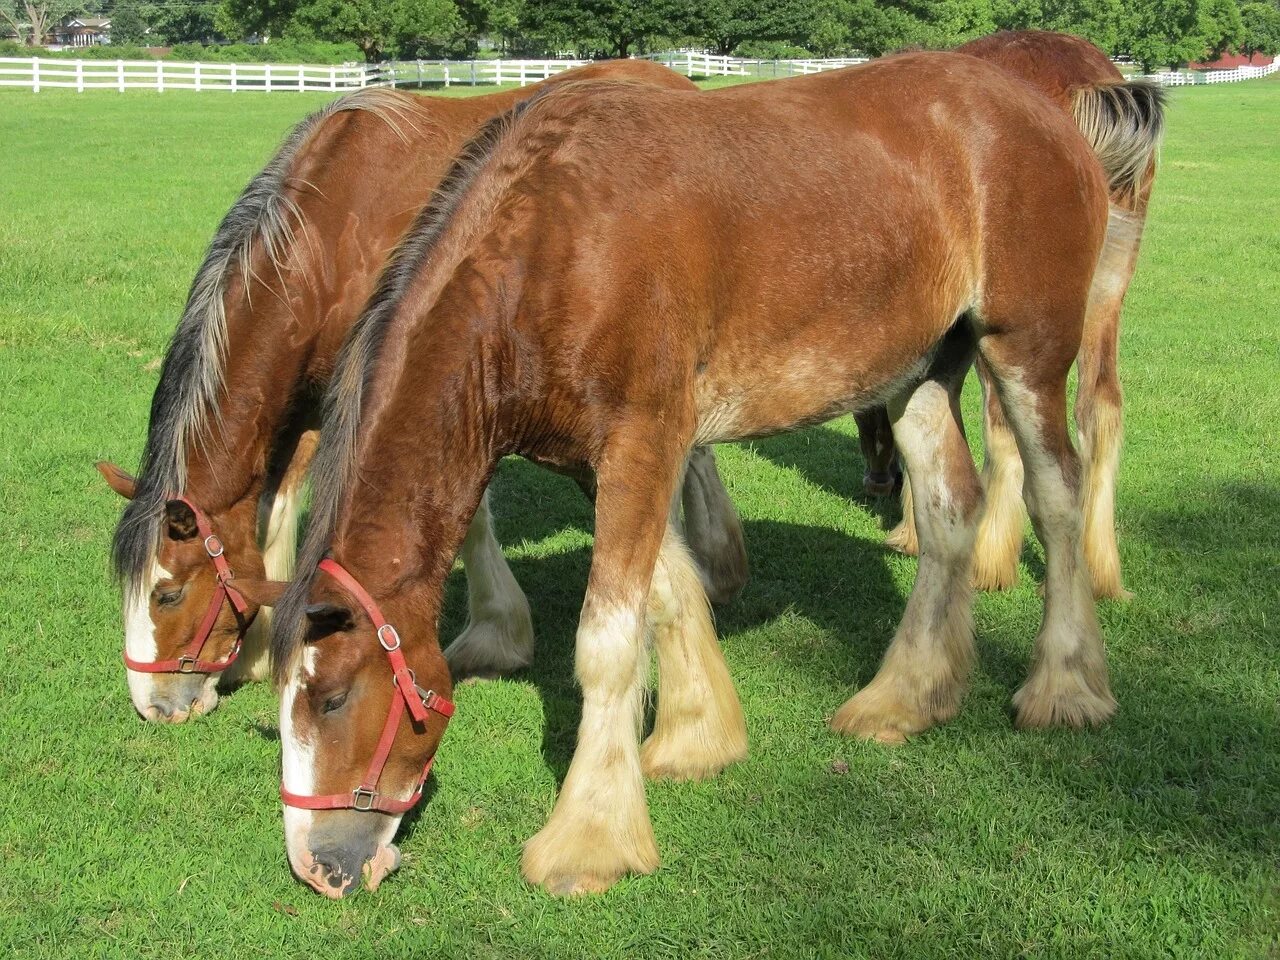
[79,76]
[120,74]
[197,66]
[35,74]
[268,76]
[447,79]
[302,78]
[333,78]
[234,88]
[160,76]
[419,73]
[473,73]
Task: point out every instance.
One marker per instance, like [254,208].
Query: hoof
[495,646]
[879,483]
[872,715]
[1072,704]
[902,538]
[689,757]
[569,862]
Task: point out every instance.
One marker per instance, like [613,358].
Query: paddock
[1155,835]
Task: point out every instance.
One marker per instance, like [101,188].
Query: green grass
[1156,836]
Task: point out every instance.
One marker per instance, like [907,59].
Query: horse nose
[338,870]
[160,712]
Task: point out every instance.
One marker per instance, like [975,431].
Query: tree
[377,27]
[31,20]
[615,26]
[1220,27]
[1163,32]
[727,23]
[1260,29]
[127,25]
[264,18]
[183,21]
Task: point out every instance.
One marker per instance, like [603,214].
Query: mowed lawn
[1156,836]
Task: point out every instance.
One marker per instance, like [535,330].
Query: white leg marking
[600,827]
[499,634]
[700,728]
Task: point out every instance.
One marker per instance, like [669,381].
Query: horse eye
[334,703]
[167,598]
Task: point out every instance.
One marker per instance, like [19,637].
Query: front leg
[600,827]
[498,639]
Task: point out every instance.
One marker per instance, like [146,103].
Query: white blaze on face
[140,635]
[298,758]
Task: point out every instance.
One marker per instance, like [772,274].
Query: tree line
[1155,33]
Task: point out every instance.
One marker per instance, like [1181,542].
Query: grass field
[1156,836]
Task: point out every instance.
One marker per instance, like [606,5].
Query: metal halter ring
[218,543]
[388,628]
[363,799]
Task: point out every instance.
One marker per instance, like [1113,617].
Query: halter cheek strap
[189,660]
[420,704]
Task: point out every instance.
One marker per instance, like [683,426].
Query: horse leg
[995,556]
[875,437]
[1099,401]
[498,639]
[713,529]
[924,673]
[278,519]
[699,729]
[902,538]
[600,829]
[1068,684]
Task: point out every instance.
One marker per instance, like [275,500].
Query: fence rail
[38,73]
[161,75]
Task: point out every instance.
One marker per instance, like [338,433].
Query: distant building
[82,32]
[1230,61]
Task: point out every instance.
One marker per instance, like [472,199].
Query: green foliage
[616,28]
[1220,27]
[127,25]
[1260,29]
[378,27]
[724,24]
[277,51]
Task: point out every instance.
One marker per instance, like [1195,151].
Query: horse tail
[1124,123]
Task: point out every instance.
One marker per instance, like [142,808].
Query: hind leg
[925,671]
[712,528]
[995,556]
[699,729]
[498,639]
[1068,685]
[875,438]
[1099,402]
[903,538]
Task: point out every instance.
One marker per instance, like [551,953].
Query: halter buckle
[213,546]
[186,664]
[362,799]
[394,643]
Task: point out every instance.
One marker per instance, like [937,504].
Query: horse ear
[181,520]
[327,618]
[265,593]
[122,483]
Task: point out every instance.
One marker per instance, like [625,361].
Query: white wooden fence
[1191,78]
[38,73]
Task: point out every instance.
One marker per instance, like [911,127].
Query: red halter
[418,701]
[189,661]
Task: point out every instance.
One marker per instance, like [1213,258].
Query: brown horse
[614,275]
[232,422]
[1059,66]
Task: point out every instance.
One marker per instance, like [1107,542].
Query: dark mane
[191,377]
[334,462]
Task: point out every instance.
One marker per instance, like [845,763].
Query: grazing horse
[1058,65]
[233,420]
[614,275]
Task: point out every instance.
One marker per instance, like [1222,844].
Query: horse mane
[265,217]
[334,464]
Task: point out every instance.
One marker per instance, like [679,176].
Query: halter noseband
[189,660]
[412,697]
